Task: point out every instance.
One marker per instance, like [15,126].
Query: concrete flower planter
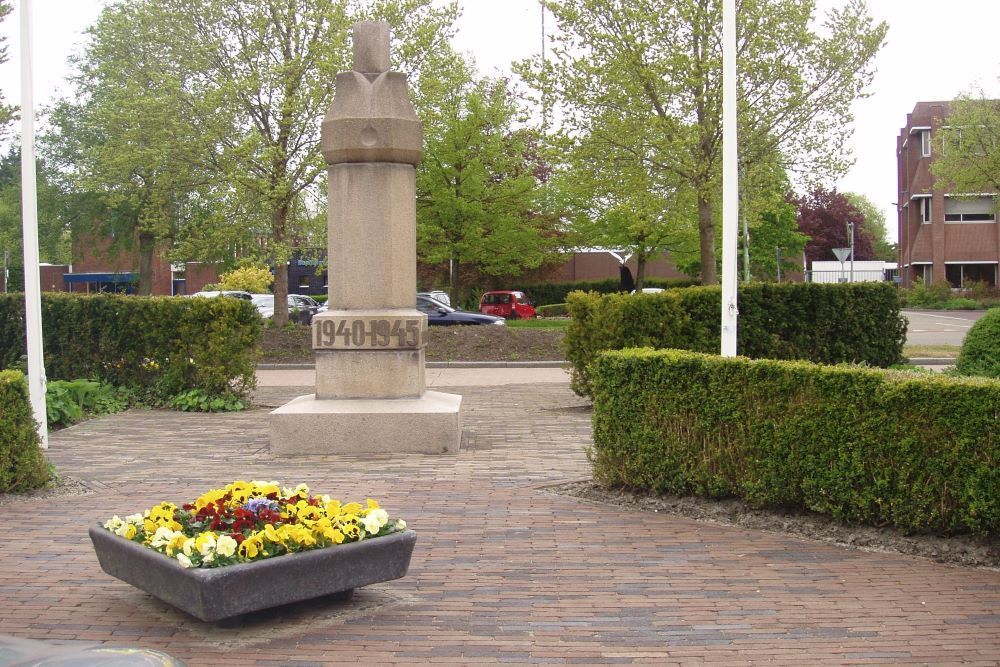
[225,592]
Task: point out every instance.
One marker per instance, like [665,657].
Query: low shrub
[922,295]
[824,323]
[553,310]
[980,353]
[861,445]
[548,293]
[158,345]
[68,401]
[22,465]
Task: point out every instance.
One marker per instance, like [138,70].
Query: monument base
[430,424]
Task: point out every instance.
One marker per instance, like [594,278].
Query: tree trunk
[706,232]
[147,248]
[453,282]
[640,271]
[279,223]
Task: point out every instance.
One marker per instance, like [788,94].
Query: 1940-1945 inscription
[367,333]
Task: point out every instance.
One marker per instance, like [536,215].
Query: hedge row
[166,344]
[22,466]
[920,452]
[824,323]
[543,294]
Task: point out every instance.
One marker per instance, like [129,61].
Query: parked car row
[495,307]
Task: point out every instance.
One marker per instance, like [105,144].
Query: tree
[124,142]
[658,63]
[266,71]
[874,227]
[247,278]
[53,240]
[7,112]
[823,216]
[771,223]
[620,206]
[968,155]
[477,194]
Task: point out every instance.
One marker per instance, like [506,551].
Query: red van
[511,305]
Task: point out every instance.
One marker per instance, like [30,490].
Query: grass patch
[949,351]
[541,323]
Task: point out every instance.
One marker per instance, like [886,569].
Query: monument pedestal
[430,424]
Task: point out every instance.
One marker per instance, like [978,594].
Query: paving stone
[503,571]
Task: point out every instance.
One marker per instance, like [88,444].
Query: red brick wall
[199,274]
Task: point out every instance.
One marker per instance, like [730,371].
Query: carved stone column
[370,390]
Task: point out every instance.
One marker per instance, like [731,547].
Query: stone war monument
[370,388]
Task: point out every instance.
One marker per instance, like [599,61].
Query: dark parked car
[439,314]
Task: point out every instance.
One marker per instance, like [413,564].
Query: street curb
[436,364]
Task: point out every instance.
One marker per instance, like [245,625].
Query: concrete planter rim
[212,594]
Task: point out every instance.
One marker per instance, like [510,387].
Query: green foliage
[160,345]
[651,97]
[68,401]
[818,322]
[918,452]
[253,279]
[543,294]
[22,465]
[197,400]
[967,150]
[922,295]
[477,195]
[553,310]
[873,226]
[980,354]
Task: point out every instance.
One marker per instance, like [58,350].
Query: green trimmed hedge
[824,323]
[553,310]
[920,452]
[980,354]
[22,465]
[164,344]
[543,294]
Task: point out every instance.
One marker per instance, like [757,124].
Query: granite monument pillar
[370,394]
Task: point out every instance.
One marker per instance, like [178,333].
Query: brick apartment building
[942,236]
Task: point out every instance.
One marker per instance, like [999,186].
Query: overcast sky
[935,51]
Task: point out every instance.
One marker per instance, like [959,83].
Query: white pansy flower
[374,520]
[184,561]
[226,546]
[162,537]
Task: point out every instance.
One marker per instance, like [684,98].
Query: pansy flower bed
[252,521]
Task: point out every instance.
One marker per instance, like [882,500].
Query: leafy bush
[22,465]
[825,323]
[862,445]
[980,353]
[66,402]
[927,296]
[196,400]
[159,345]
[253,279]
[553,310]
[547,293]
[960,303]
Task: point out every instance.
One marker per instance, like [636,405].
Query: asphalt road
[939,327]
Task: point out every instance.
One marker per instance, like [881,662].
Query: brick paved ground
[503,571]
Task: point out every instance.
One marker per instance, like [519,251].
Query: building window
[925,209]
[978,209]
[303,282]
[965,275]
[925,143]
[925,272]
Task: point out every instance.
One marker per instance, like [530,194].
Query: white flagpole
[730,180]
[29,221]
